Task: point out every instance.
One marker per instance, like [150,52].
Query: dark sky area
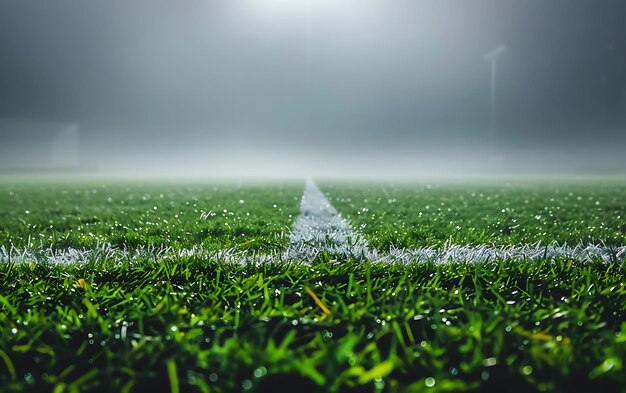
[322,87]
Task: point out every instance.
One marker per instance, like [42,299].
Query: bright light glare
[290,8]
[281,6]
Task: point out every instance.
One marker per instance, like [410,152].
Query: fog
[347,88]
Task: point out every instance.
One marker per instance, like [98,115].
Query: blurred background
[284,88]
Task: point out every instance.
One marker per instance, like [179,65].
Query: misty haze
[294,88]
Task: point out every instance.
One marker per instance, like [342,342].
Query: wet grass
[499,213]
[64,214]
[197,325]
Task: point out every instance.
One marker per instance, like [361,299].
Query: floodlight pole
[308,96]
[309,28]
[493,57]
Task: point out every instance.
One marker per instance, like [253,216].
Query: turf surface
[499,213]
[194,323]
[210,326]
[220,215]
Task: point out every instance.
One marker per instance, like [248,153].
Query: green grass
[429,215]
[194,323]
[211,326]
[125,214]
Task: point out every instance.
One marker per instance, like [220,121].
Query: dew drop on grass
[429,382]
[260,372]
[489,362]
[29,379]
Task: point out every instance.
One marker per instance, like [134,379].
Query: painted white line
[319,228]
[446,254]
[109,253]
[486,253]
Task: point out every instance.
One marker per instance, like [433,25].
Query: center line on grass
[319,228]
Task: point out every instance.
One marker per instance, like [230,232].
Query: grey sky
[302,78]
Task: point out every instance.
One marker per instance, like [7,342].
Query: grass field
[198,323]
[497,213]
[66,214]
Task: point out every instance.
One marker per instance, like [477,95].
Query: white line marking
[447,254]
[483,253]
[107,252]
[319,228]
